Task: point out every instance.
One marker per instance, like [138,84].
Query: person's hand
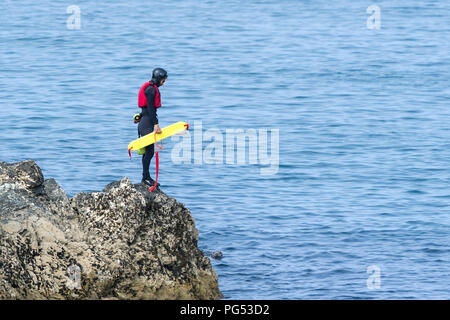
[158,129]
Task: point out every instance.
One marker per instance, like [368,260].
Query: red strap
[129,152]
[187,128]
[157,165]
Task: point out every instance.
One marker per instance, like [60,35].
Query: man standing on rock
[149,101]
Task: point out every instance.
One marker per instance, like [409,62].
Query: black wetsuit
[146,126]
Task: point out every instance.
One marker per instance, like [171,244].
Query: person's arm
[151,110]
[150,93]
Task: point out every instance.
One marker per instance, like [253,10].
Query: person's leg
[145,128]
[146,159]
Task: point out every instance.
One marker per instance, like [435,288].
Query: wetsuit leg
[146,159]
[145,127]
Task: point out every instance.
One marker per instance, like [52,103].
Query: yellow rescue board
[148,139]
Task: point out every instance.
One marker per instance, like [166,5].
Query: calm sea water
[363,114]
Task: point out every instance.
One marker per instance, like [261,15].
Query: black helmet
[158,75]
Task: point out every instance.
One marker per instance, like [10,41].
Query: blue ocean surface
[359,207]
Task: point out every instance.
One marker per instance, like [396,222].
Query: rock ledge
[121,243]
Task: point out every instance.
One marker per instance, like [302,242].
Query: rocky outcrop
[121,243]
